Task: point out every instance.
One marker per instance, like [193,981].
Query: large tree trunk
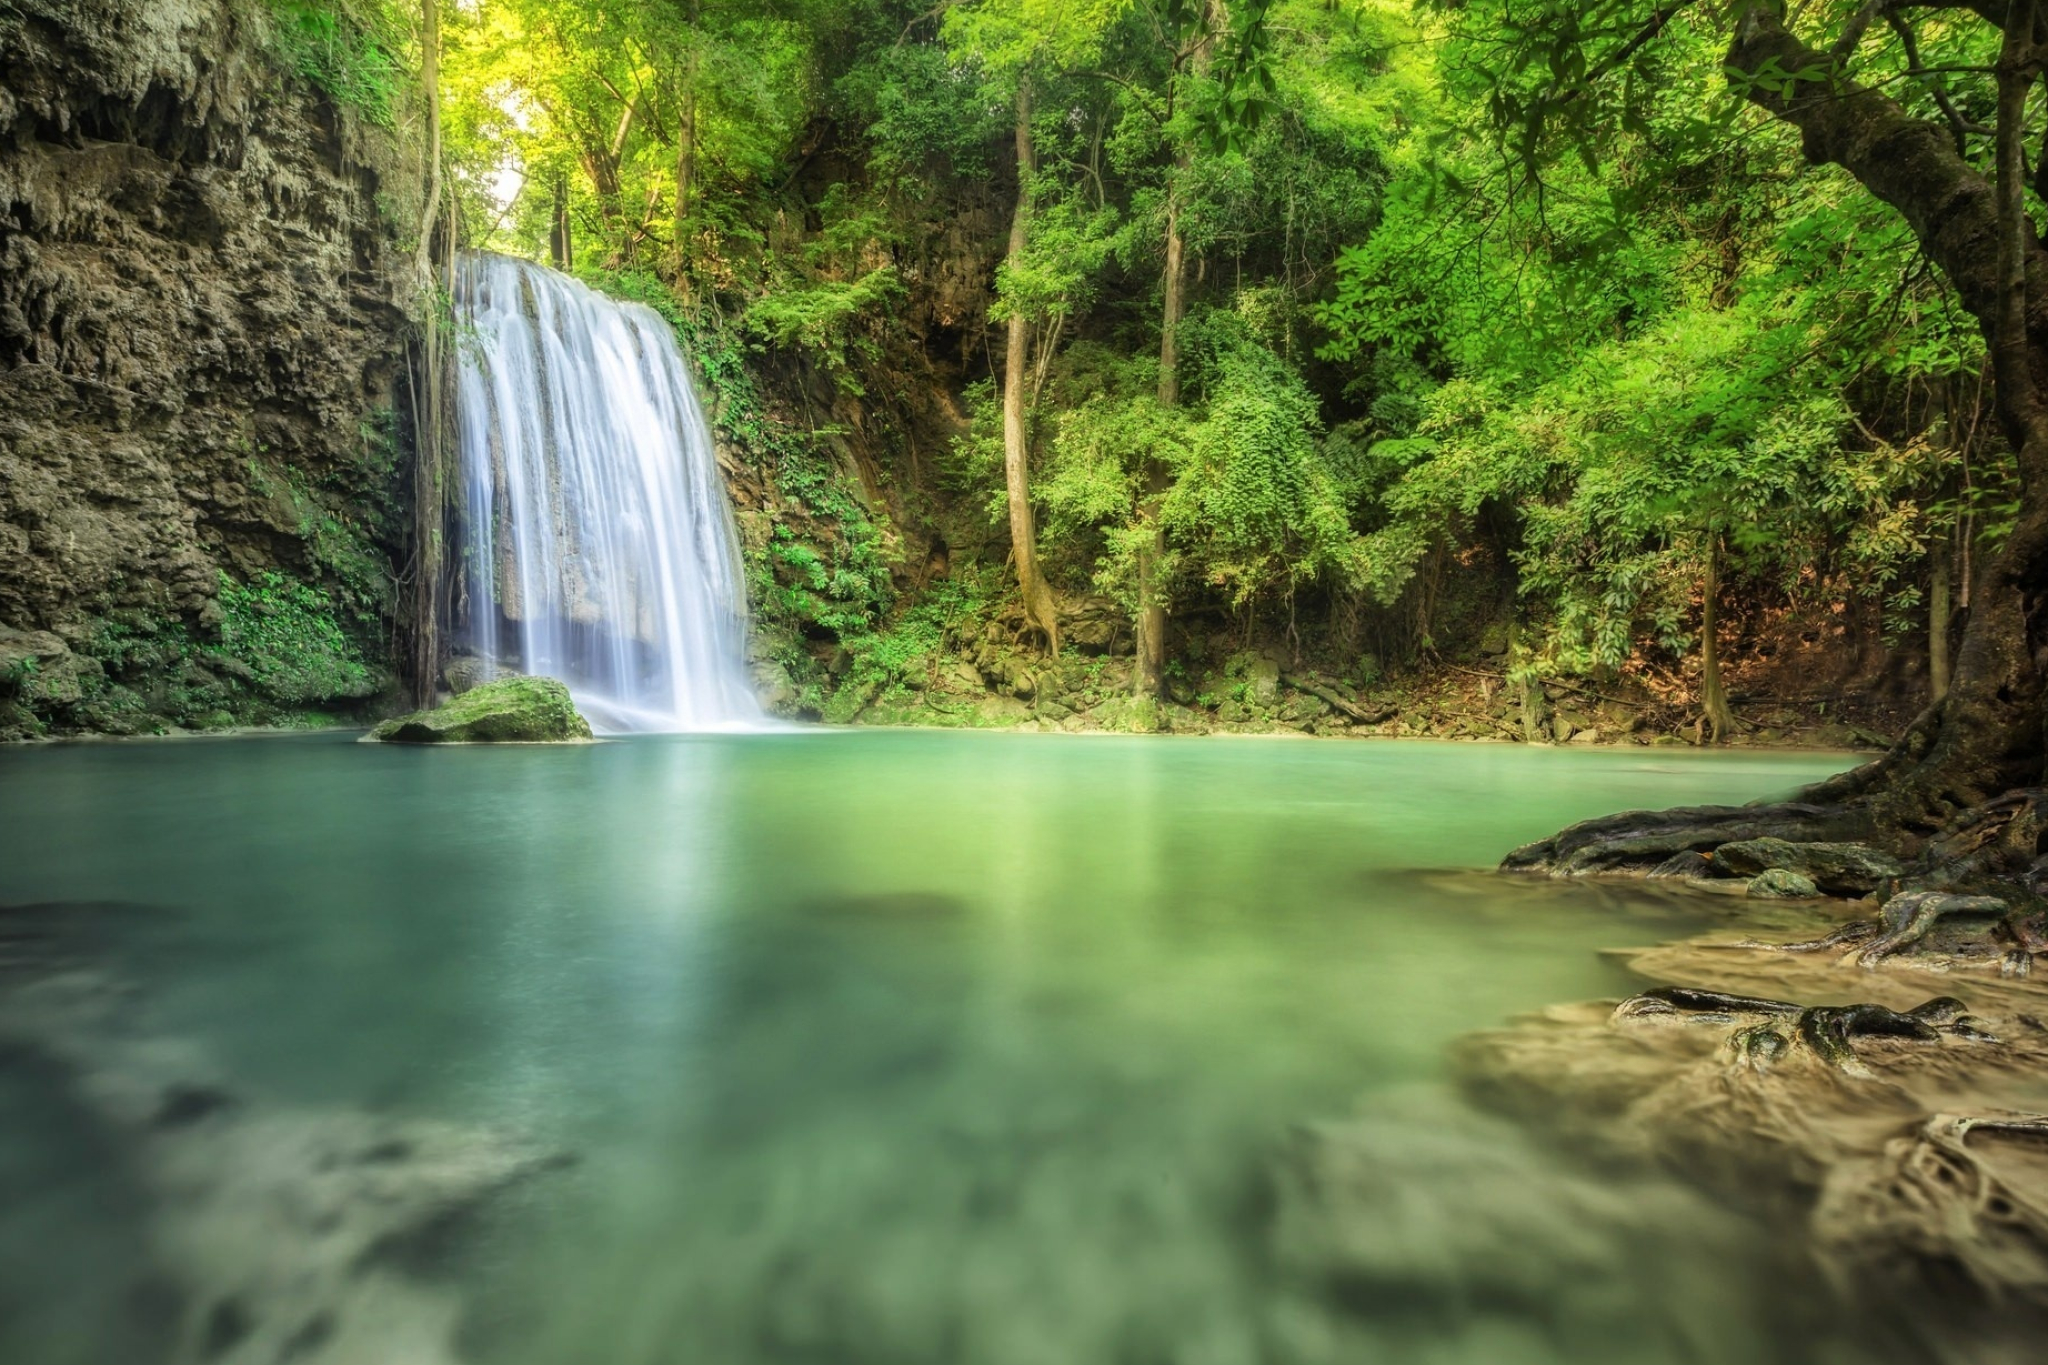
[1148,671]
[1984,735]
[601,164]
[1941,558]
[1038,601]
[430,94]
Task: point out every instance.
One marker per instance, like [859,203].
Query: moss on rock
[508,711]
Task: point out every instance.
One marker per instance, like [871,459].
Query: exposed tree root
[1904,1135]
[1639,842]
[1825,1029]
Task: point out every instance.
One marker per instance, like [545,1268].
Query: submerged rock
[508,711]
[1837,868]
[283,1230]
[1417,1220]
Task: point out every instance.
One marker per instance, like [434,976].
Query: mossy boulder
[508,711]
[1836,868]
[1780,883]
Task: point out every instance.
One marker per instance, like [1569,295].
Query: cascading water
[597,540]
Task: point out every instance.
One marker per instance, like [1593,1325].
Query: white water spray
[598,542]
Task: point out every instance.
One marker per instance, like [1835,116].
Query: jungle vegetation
[1294,306]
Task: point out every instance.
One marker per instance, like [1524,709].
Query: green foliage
[355,50]
[1630,340]
[927,115]
[949,615]
[1254,505]
[288,637]
[1251,504]
[1524,278]
[831,318]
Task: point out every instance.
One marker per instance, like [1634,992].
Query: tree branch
[1909,163]
[1859,23]
[1909,42]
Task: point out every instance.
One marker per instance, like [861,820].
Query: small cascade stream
[597,539]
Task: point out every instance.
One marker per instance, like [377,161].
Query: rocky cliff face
[199,342]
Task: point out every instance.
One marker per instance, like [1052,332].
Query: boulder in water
[508,711]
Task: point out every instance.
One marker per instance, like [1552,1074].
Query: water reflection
[916,1047]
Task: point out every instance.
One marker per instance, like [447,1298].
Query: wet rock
[24,653]
[1840,869]
[958,676]
[1262,674]
[1300,710]
[778,694]
[1684,865]
[1568,723]
[998,710]
[508,711]
[1406,1217]
[465,673]
[1782,883]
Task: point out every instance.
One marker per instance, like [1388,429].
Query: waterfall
[597,543]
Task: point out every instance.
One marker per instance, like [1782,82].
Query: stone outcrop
[508,711]
[200,335]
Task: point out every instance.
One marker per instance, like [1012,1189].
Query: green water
[896,1047]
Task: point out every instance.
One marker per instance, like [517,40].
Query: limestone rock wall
[200,340]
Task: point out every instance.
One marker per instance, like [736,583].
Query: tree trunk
[1939,604]
[1535,715]
[1941,559]
[430,92]
[601,164]
[1148,673]
[1984,735]
[429,390]
[561,245]
[686,151]
[1713,698]
[1039,607]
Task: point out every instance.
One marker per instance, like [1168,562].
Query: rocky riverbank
[1266,692]
[1860,1054]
